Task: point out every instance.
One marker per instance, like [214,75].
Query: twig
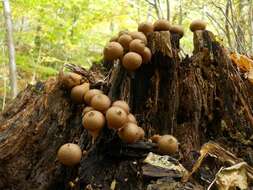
[231,25]
[214,20]
[154,5]
[209,187]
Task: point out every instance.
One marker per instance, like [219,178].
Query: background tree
[10,43]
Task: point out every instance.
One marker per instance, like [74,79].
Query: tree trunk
[251,26]
[240,33]
[168,9]
[196,99]
[180,20]
[227,24]
[156,7]
[10,42]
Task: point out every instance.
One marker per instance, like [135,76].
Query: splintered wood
[160,42]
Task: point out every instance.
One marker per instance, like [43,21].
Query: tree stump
[196,99]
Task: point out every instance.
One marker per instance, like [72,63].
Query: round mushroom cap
[78,92]
[93,120]
[137,46]
[112,51]
[123,32]
[162,25]
[146,28]
[198,25]
[146,55]
[125,40]
[100,102]
[131,119]
[69,154]
[167,144]
[177,29]
[140,36]
[122,104]
[130,133]
[132,61]
[116,117]
[69,80]
[90,94]
[114,39]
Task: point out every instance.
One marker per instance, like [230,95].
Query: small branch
[154,5]
[231,25]
[214,20]
[209,187]
[149,2]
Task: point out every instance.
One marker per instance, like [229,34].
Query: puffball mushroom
[155,138]
[100,102]
[93,120]
[69,80]
[114,39]
[177,29]
[112,51]
[137,46]
[140,36]
[125,40]
[197,25]
[131,118]
[116,117]
[146,28]
[78,92]
[122,104]
[122,32]
[131,61]
[146,55]
[69,154]
[90,94]
[129,133]
[141,133]
[87,109]
[167,144]
[161,25]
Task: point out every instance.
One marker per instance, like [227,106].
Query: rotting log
[196,99]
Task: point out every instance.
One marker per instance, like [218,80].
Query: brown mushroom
[129,133]
[132,61]
[69,154]
[78,92]
[116,117]
[112,51]
[146,28]
[197,25]
[162,25]
[167,144]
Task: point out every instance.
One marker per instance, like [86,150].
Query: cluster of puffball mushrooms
[131,48]
[100,111]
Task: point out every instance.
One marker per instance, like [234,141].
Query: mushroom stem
[94,135]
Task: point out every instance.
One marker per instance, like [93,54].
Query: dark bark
[195,99]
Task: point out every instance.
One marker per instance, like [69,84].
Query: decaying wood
[196,99]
